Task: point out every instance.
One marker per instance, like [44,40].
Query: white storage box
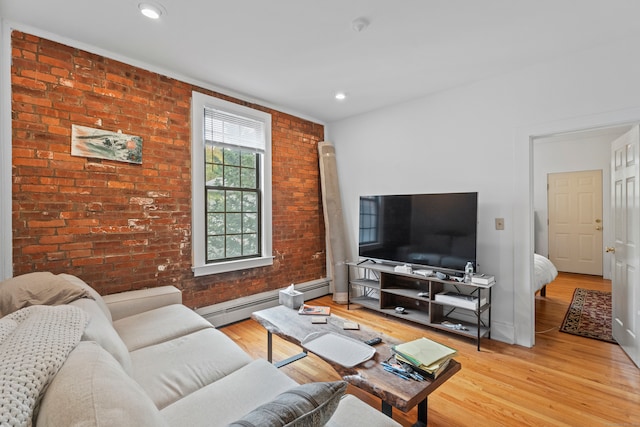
[469,302]
[291,299]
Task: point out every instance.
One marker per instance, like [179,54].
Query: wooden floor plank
[564,380]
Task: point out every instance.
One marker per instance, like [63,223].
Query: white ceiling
[295,55]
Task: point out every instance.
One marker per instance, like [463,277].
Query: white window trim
[199,266]
[6,144]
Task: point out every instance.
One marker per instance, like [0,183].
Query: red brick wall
[122,226]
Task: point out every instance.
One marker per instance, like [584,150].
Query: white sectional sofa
[141,358]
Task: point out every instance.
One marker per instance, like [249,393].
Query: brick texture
[122,226]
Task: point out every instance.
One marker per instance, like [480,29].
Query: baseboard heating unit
[241,308]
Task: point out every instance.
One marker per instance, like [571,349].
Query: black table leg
[387,409]
[422,414]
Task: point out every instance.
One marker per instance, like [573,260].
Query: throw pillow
[40,288]
[75,280]
[307,405]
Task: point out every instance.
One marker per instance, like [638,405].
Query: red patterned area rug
[589,315]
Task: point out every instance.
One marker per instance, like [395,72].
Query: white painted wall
[478,138]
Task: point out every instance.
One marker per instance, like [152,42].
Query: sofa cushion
[92,292]
[354,412]
[229,398]
[101,331]
[40,288]
[91,389]
[158,325]
[306,405]
[173,369]
[129,303]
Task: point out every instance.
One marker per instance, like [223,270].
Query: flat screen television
[433,230]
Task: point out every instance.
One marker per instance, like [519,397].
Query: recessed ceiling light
[341,96]
[150,10]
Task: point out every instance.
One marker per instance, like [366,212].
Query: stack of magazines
[427,357]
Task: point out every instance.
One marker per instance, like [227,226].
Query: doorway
[621,204]
[588,150]
[564,151]
[527,236]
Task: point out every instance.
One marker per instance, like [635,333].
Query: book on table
[482,279]
[349,325]
[314,310]
[432,371]
[427,356]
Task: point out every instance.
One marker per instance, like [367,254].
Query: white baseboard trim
[241,308]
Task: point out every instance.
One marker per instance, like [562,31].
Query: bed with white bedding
[545,273]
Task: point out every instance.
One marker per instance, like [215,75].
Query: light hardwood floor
[564,380]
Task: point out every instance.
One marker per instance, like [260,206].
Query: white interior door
[625,173]
[575,221]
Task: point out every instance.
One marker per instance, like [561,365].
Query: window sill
[224,267]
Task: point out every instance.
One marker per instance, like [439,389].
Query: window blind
[221,127]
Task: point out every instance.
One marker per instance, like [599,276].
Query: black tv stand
[379,287]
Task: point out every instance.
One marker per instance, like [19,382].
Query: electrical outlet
[499,223]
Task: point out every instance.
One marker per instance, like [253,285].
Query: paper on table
[340,349]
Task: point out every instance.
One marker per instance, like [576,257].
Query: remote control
[373,341]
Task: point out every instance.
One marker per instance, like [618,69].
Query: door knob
[598,227]
[610,249]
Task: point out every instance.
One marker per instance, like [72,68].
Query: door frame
[523,215]
[624,298]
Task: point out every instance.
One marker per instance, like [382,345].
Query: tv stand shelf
[379,287]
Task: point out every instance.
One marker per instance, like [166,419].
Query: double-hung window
[231,184]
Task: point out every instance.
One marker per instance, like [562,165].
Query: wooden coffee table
[368,376]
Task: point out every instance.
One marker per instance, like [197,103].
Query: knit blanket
[34,344]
